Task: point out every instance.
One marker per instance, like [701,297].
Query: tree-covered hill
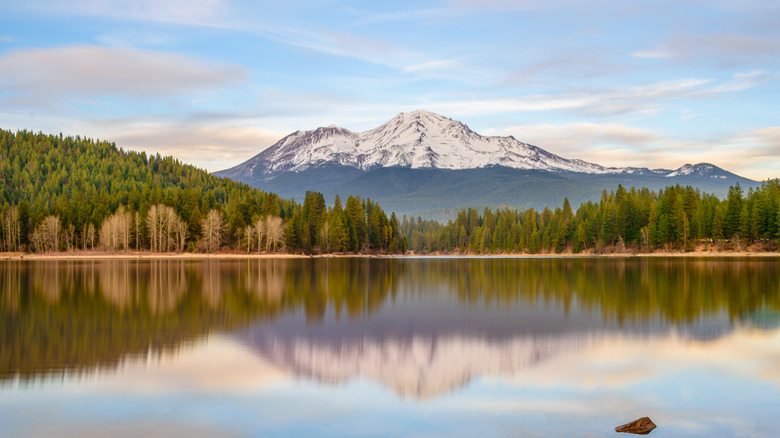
[63,193]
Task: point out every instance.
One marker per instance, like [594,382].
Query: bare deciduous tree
[249,232]
[167,232]
[260,232]
[115,230]
[46,236]
[274,232]
[88,236]
[212,227]
[137,230]
[10,229]
[69,237]
[325,235]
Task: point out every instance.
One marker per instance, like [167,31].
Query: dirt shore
[226,256]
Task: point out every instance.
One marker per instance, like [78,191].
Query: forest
[71,193]
[636,220]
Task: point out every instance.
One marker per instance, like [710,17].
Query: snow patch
[422,139]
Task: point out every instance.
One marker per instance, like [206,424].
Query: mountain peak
[423,139]
[702,170]
[416,139]
[420,114]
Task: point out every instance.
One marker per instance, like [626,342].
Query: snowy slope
[701,169]
[418,139]
[424,140]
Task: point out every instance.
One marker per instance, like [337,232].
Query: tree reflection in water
[79,316]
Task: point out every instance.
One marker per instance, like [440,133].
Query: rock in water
[641,426]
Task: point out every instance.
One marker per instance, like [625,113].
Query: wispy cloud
[135,37]
[212,146]
[211,13]
[573,136]
[92,70]
[654,54]
[600,102]
[724,48]
[609,144]
[743,81]
[753,154]
[615,101]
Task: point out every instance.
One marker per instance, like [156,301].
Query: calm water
[389,347]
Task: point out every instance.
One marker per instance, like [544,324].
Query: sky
[214,82]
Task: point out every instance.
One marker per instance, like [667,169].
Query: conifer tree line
[677,218]
[71,193]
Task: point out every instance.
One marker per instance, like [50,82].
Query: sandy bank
[244,256]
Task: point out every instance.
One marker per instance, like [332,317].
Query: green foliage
[82,182]
[676,218]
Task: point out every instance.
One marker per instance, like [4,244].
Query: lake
[407,347]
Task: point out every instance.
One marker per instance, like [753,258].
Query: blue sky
[213,82]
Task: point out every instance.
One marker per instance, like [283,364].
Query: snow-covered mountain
[418,139]
[419,161]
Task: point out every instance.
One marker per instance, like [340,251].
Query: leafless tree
[212,227]
[249,232]
[260,232]
[137,230]
[324,235]
[167,232]
[10,229]
[69,237]
[88,236]
[274,232]
[115,230]
[46,236]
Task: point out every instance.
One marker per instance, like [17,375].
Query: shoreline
[250,256]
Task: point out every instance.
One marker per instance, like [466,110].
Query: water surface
[389,347]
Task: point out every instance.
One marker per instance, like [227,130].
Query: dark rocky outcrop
[641,426]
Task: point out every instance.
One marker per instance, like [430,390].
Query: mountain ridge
[421,139]
[421,145]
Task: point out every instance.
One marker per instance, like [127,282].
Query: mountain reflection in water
[421,327]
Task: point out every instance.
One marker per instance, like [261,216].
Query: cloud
[607,144]
[134,37]
[82,71]
[644,99]
[433,65]
[569,63]
[753,154]
[657,53]
[743,81]
[760,152]
[515,5]
[603,102]
[214,146]
[571,139]
[724,48]
[210,13]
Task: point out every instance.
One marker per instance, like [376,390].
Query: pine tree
[717,224]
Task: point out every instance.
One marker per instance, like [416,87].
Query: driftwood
[641,426]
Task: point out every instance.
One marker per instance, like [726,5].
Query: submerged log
[641,426]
